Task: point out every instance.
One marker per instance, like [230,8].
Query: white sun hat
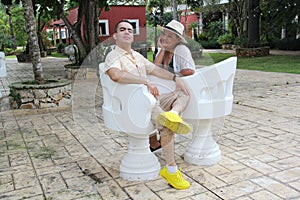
[175,27]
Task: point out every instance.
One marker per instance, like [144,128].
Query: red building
[135,14]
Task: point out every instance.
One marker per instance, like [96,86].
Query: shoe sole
[175,124]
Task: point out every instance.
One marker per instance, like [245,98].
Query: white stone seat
[127,108]
[3,72]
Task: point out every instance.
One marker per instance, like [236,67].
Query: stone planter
[24,58]
[252,52]
[27,95]
[77,72]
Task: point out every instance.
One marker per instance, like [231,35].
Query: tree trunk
[75,29]
[12,35]
[33,40]
[253,23]
[175,13]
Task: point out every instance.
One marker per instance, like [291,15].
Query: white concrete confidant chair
[127,108]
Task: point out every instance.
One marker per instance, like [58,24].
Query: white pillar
[139,163]
[283,33]
[3,72]
[203,149]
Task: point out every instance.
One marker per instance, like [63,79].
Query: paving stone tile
[52,182]
[259,166]
[290,162]
[172,193]
[266,158]
[157,184]
[140,192]
[239,175]
[266,195]
[25,179]
[237,190]
[276,187]
[206,196]
[216,170]
[295,185]
[288,175]
[231,164]
[110,190]
[72,194]
[6,183]
[208,180]
[33,192]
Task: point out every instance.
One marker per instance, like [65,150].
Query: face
[124,34]
[169,39]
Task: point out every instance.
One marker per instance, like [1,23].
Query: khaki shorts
[165,103]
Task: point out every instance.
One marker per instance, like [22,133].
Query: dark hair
[123,20]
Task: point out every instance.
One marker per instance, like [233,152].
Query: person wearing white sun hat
[173,55]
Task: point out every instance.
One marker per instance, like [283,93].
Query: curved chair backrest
[211,90]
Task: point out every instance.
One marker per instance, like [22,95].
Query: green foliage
[215,29]
[60,47]
[210,44]
[226,39]
[241,41]
[193,45]
[288,44]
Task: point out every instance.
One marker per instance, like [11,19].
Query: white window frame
[105,21]
[137,26]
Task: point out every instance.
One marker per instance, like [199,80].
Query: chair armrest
[127,107]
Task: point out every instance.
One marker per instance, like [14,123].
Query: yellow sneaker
[173,122]
[175,180]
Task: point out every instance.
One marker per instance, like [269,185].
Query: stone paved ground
[68,153]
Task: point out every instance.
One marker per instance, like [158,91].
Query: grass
[58,55]
[271,63]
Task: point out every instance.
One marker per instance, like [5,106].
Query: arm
[164,74]
[184,59]
[120,76]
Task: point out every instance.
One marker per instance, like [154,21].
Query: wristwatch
[174,77]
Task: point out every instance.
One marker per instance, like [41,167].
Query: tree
[238,15]
[253,11]
[13,38]
[33,40]
[282,14]
[88,12]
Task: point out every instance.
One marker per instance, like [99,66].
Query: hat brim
[166,28]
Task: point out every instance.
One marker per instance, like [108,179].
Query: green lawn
[271,63]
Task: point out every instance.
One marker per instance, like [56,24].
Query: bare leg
[167,144]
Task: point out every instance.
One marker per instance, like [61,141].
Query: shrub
[210,44]
[241,41]
[288,44]
[60,47]
[193,45]
[226,39]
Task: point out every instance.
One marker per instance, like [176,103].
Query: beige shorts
[165,103]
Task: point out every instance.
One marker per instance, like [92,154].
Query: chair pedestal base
[203,149]
[139,163]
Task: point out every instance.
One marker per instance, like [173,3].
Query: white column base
[139,163]
[203,149]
